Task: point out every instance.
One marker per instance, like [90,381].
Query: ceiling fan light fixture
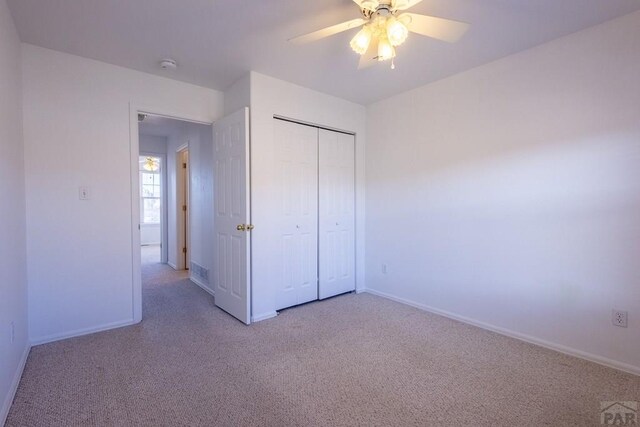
[360,42]
[385,50]
[397,32]
[151,164]
[385,26]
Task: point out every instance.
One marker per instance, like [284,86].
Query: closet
[315,224]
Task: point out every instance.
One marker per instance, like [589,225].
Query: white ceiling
[160,126]
[215,42]
[166,127]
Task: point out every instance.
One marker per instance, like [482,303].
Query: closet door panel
[336,213]
[296,193]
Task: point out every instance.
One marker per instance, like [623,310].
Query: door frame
[183,220]
[134,153]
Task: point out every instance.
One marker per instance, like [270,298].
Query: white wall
[509,195]
[174,141]
[199,138]
[13,285]
[201,201]
[77,128]
[270,96]
[238,95]
[152,144]
[150,234]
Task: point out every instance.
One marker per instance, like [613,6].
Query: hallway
[155,274]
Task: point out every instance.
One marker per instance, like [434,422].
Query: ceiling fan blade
[329,31]
[438,28]
[367,4]
[370,58]
[403,4]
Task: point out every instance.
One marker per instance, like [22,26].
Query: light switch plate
[83,193]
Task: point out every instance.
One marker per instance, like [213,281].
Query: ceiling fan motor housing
[383,10]
[380,8]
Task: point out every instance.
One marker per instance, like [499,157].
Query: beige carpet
[352,360]
[150,255]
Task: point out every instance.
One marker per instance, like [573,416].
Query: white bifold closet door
[295,258]
[314,229]
[336,227]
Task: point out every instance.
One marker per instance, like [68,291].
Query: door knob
[250,227]
[241,227]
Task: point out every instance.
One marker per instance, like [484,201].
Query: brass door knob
[250,227]
[241,227]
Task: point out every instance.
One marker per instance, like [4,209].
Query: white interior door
[232,215]
[296,227]
[337,213]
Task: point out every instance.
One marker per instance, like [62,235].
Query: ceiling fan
[386,26]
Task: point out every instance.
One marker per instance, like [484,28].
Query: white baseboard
[203,286]
[635,370]
[80,332]
[172,265]
[264,316]
[4,412]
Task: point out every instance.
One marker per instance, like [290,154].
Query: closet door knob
[241,227]
[250,227]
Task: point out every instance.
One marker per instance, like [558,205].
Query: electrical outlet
[619,318]
[12,329]
[384,268]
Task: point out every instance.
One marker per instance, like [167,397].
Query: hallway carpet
[351,360]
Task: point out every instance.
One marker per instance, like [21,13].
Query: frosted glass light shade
[360,42]
[397,32]
[385,50]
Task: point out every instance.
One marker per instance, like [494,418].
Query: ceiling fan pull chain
[393,64]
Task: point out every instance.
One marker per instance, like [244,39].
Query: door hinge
[184,208]
[184,250]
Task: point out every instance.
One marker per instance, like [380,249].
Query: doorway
[152,222]
[208,240]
